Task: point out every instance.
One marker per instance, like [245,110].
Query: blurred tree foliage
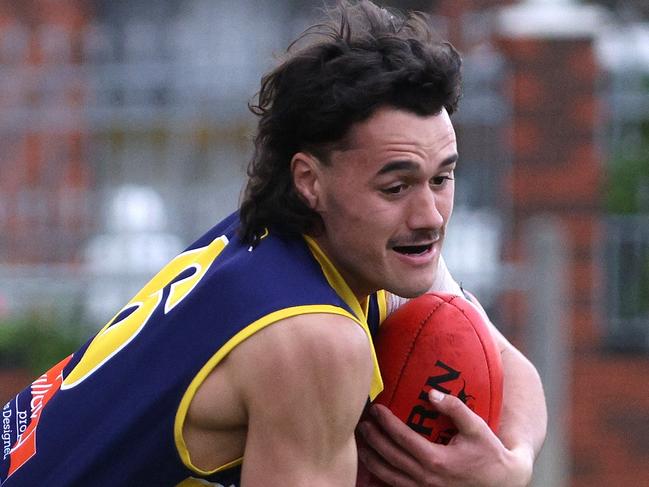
[627,189]
[36,343]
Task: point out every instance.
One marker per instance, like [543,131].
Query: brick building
[41,157]
[558,170]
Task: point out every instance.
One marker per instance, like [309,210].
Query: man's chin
[411,295]
[411,291]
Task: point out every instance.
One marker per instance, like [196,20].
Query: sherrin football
[438,341]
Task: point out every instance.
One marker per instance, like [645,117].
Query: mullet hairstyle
[335,75]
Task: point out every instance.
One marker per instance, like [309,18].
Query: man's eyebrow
[398,166]
[412,166]
[452,159]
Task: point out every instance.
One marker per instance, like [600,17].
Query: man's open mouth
[413,249]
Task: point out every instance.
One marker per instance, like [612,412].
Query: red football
[438,341]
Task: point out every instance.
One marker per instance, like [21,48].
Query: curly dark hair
[337,74]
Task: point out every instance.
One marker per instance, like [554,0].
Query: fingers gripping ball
[439,341]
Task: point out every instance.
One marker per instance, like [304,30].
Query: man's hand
[475,457]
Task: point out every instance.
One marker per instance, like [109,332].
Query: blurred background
[124,135]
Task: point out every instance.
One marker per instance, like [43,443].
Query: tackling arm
[524,418]
[304,382]
[400,456]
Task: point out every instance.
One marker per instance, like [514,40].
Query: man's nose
[424,211]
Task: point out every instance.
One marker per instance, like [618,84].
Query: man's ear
[305,170]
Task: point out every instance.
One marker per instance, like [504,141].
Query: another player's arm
[523,422]
[398,455]
[304,382]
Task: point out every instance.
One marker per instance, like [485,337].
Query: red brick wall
[556,166]
[610,420]
[39,167]
[557,170]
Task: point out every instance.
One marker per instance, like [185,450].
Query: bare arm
[524,418]
[304,382]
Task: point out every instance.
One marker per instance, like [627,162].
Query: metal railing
[625,252]
[624,246]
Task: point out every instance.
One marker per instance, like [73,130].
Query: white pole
[547,341]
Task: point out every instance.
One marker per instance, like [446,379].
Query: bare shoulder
[307,376]
[318,363]
[320,353]
[312,334]
[312,349]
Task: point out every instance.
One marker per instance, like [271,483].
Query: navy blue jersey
[113,412]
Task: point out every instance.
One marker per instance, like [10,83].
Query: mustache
[415,238]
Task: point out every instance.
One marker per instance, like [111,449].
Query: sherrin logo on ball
[439,341]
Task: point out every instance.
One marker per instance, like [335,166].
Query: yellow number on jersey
[182,274]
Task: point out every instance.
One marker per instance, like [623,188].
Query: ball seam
[486,356]
[408,353]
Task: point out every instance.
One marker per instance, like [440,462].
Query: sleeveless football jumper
[112,413]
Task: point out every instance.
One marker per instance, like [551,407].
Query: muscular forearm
[524,416]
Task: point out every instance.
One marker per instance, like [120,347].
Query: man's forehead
[391,125]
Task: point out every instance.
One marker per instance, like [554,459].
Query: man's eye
[440,180]
[396,189]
